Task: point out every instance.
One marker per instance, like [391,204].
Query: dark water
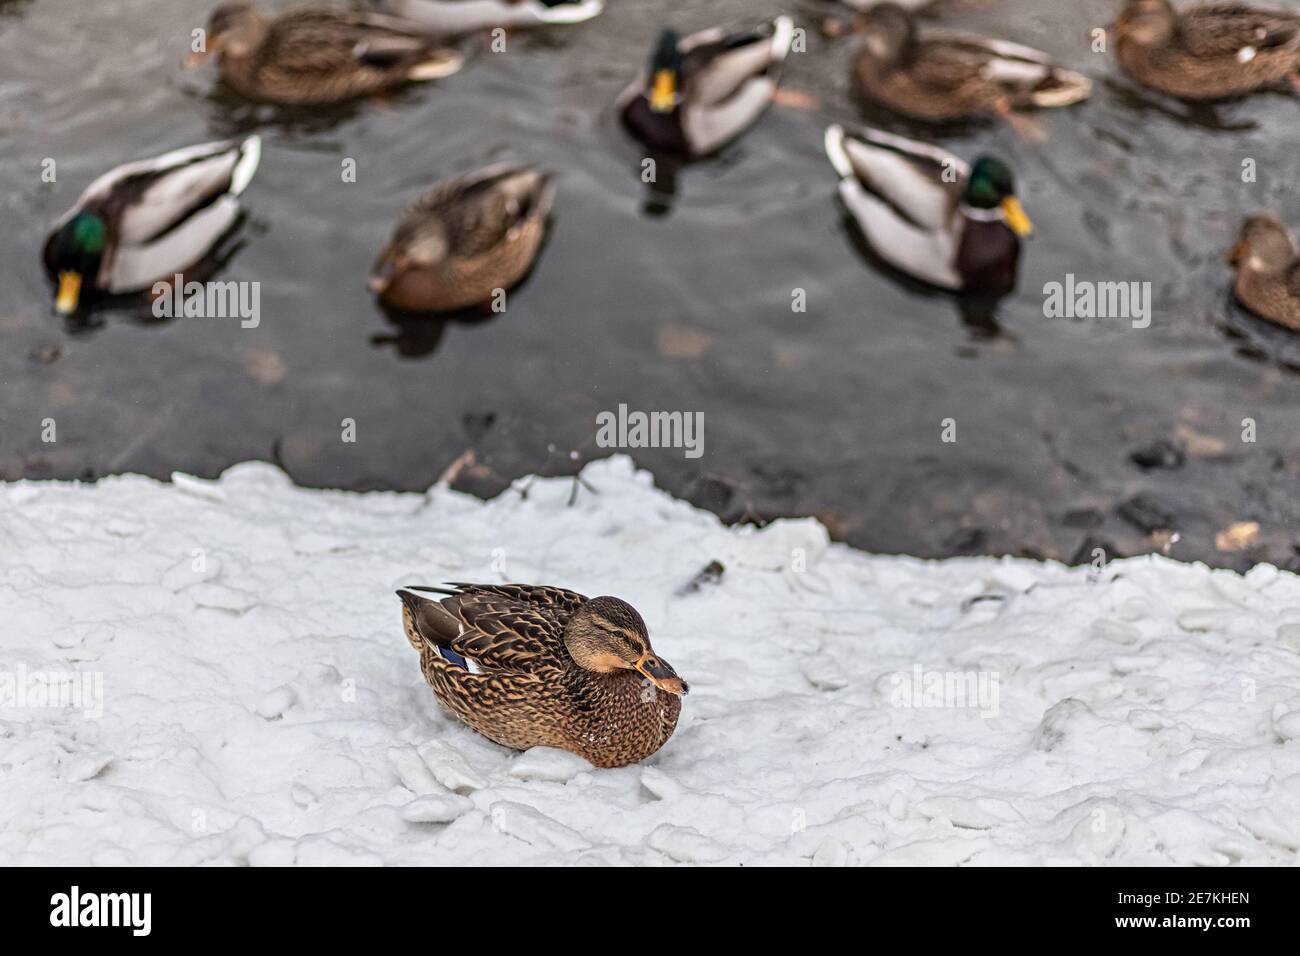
[835,412]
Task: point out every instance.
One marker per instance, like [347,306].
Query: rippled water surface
[835,411]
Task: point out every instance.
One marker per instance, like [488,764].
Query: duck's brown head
[888,34]
[1264,245]
[607,635]
[234,30]
[1146,22]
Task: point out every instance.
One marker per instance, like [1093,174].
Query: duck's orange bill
[69,294]
[661,675]
[663,93]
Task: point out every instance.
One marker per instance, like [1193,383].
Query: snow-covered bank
[260,704]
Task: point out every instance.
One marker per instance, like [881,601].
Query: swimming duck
[464,239]
[942,77]
[926,212]
[544,667]
[704,90]
[1268,271]
[146,221]
[319,56]
[1208,52]
[457,17]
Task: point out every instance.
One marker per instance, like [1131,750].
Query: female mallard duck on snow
[314,56]
[544,667]
[1209,52]
[464,239]
[942,77]
[1268,271]
[146,221]
[457,17]
[704,90]
[924,211]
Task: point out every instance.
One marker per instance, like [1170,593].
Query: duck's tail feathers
[835,151]
[439,64]
[427,619]
[250,154]
[1064,88]
[782,38]
[570,12]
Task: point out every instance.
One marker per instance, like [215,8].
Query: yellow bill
[69,294]
[663,92]
[1016,218]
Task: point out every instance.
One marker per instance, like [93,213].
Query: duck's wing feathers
[479,211]
[1228,29]
[717,64]
[314,42]
[895,190]
[498,627]
[135,267]
[954,60]
[923,183]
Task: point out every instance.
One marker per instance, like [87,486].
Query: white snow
[258,703]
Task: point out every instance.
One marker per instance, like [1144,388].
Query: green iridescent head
[993,186]
[76,251]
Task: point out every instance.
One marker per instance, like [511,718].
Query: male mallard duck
[314,57]
[941,77]
[457,17]
[1207,52]
[1268,271]
[464,239]
[544,667]
[146,221]
[704,90]
[926,212]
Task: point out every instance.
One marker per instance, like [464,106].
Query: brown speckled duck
[942,77]
[312,56]
[1268,271]
[1208,52]
[464,239]
[533,666]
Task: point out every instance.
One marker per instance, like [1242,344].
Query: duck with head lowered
[928,213]
[465,241]
[530,666]
[147,221]
[702,91]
